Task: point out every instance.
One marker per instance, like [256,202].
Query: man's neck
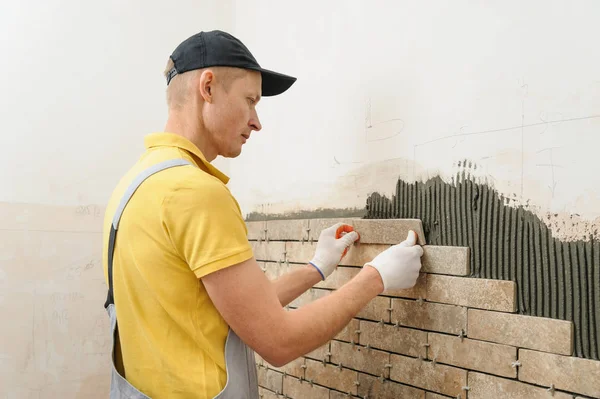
[192,130]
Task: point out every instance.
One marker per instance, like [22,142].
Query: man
[193,305]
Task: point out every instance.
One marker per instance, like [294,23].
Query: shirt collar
[164,139]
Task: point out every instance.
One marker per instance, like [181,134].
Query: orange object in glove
[341,231]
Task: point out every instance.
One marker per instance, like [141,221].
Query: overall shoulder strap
[117,217]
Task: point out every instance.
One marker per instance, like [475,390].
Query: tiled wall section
[450,336]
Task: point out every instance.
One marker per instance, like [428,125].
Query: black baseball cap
[218,48]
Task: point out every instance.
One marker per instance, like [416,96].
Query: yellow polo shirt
[180,225]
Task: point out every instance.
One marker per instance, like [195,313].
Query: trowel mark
[554,278]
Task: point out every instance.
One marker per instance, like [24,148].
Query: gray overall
[239,358]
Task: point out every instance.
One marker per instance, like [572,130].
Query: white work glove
[330,250]
[399,265]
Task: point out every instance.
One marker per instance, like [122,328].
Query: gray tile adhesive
[554,278]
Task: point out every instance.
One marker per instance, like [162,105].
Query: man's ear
[206,83]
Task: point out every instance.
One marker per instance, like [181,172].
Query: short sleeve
[206,227]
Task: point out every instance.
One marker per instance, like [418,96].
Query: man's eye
[252,101]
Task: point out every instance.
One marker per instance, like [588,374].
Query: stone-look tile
[339,277]
[331,376]
[270,379]
[286,230]
[474,355]
[376,309]
[539,333]
[294,367]
[256,230]
[319,353]
[401,340]
[349,333]
[309,296]
[266,394]
[359,358]
[296,389]
[359,254]
[300,252]
[430,316]
[437,377]
[274,270]
[416,292]
[374,231]
[482,386]
[431,395]
[318,225]
[372,387]
[445,260]
[472,292]
[573,374]
[340,395]
[259,360]
[272,251]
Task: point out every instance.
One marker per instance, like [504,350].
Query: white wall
[82,84]
[512,86]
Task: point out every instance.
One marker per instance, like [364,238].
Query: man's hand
[399,265]
[330,249]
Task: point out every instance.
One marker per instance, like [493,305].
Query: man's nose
[255,122]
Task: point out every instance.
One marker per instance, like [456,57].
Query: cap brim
[274,83]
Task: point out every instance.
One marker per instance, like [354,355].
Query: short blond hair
[179,87]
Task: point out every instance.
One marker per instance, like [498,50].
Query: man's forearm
[311,326]
[293,284]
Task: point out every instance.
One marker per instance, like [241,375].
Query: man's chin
[232,154]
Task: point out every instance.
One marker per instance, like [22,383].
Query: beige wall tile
[256,230]
[539,333]
[450,319]
[372,387]
[296,389]
[300,252]
[274,270]
[269,251]
[287,230]
[309,296]
[359,358]
[318,225]
[339,277]
[376,309]
[474,355]
[446,260]
[401,340]
[358,254]
[349,334]
[482,386]
[294,367]
[424,374]
[270,379]
[340,395]
[430,395]
[472,292]
[573,374]
[320,353]
[266,394]
[374,231]
[331,376]
[416,292]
